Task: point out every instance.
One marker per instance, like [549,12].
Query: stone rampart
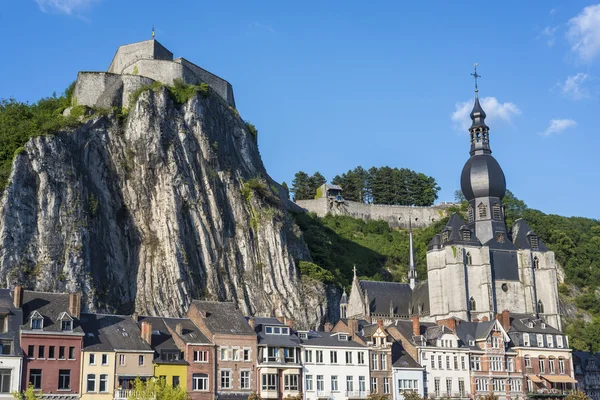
[396,216]
[162,71]
[219,85]
[130,53]
[105,90]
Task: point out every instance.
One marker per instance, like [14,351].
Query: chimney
[281,319]
[475,320]
[328,326]
[506,320]
[416,325]
[135,317]
[179,328]
[18,297]
[289,322]
[252,322]
[352,326]
[380,323]
[485,319]
[450,323]
[75,304]
[147,332]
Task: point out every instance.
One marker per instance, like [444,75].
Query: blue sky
[335,84]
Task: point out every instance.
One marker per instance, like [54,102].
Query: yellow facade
[169,371]
[97,375]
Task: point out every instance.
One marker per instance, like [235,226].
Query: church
[476,268]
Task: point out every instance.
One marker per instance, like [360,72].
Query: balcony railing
[122,394]
[280,361]
[359,394]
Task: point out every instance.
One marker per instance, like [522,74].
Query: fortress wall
[219,85]
[91,85]
[132,83]
[396,216]
[161,71]
[130,53]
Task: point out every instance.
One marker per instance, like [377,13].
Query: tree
[301,186]
[577,395]
[156,389]
[315,181]
[411,395]
[28,394]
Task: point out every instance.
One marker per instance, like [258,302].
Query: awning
[535,378]
[559,378]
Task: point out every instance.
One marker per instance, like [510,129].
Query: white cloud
[573,87]
[584,33]
[557,126]
[549,35]
[495,111]
[69,7]
[553,11]
[258,25]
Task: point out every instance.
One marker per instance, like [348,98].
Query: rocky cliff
[147,213]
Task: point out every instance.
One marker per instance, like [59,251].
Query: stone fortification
[396,216]
[138,64]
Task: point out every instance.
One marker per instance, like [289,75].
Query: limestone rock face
[149,213]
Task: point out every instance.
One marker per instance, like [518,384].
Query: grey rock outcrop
[149,213]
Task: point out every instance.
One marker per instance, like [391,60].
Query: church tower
[412,270]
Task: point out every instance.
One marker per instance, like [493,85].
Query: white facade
[407,379]
[12,366]
[335,372]
[446,368]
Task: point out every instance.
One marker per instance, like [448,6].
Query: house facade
[11,355]
[586,367]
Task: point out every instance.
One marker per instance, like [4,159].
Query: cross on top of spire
[475,75]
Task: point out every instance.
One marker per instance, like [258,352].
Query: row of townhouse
[587,373]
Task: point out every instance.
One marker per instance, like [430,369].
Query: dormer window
[470,214]
[66,322]
[482,209]
[343,338]
[277,330]
[530,324]
[303,335]
[534,242]
[471,343]
[466,235]
[37,321]
[445,235]
[543,325]
[496,212]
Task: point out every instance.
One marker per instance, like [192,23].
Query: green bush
[315,272]
[252,129]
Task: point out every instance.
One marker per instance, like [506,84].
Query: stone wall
[396,216]
[221,86]
[130,53]
[105,90]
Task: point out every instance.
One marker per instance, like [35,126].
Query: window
[463,365]
[361,358]
[540,340]
[559,342]
[448,362]
[91,383]
[290,382]
[333,357]
[440,362]
[121,359]
[475,363]
[496,342]
[309,383]
[92,359]
[561,365]
[527,362]
[498,385]
[496,364]
[35,378]
[540,307]
[529,385]
[41,351]
[437,387]
[140,360]
[482,385]
[550,340]
[383,361]
[536,262]
[534,241]
[374,385]
[348,357]
[500,237]
[269,382]
[510,364]
[482,209]
[496,212]
[64,379]
[470,214]
[285,331]
[320,383]
[200,356]
[225,379]
[223,353]
[103,383]
[472,304]
[245,379]
[200,382]
[343,338]
[456,362]
[175,381]
[362,385]
[515,385]
[104,359]
[551,366]
[319,356]
[71,353]
[66,325]
[246,355]
[466,235]
[526,341]
[37,323]
[61,352]
[31,351]
[236,354]
[386,385]
[449,386]
[349,384]
[375,361]
[469,259]
[50,351]
[269,330]
[461,387]
[308,356]
[541,363]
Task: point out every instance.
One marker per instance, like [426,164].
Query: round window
[504,287]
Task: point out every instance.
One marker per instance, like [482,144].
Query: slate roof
[405,327]
[161,340]
[125,334]
[406,361]
[189,332]
[223,318]
[519,326]
[420,297]
[15,318]
[520,230]
[291,340]
[382,294]
[361,323]
[468,331]
[581,357]
[49,306]
[329,339]
[454,226]
[96,328]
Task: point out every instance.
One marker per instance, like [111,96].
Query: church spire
[479,131]
[412,271]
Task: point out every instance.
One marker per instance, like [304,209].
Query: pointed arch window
[470,214]
[482,209]
[472,304]
[540,307]
[469,259]
[497,212]
[536,262]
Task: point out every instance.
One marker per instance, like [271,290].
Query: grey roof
[455,226]
[161,339]
[477,115]
[290,340]
[468,331]
[420,297]
[329,339]
[386,295]
[189,332]
[334,187]
[50,306]
[482,176]
[97,328]
[344,298]
[125,334]
[406,329]
[406,361]
[521,233]
[223,318]
[519,324]
[582,357]
[15,318]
